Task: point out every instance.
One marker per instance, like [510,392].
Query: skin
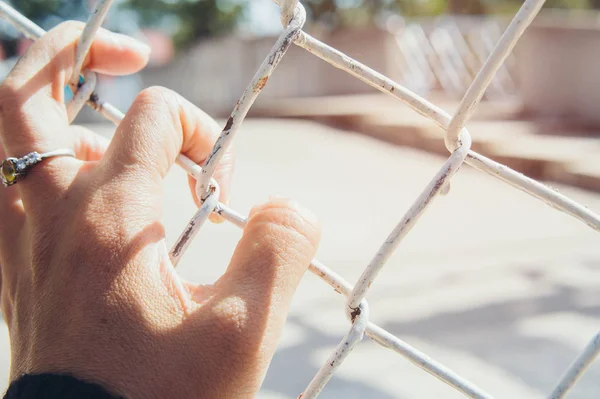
[86,284]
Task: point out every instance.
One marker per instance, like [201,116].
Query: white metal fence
[458,142]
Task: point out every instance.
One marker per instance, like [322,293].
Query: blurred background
[491,281]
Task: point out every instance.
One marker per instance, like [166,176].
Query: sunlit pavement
[491,282]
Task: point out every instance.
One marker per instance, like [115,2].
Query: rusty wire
[457,139]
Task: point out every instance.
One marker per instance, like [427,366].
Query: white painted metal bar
[209,202]
[534,188]
[421,360]
[107,110]
[515,29]
[411,217]
[87,37]
[23,24]
[84,92]
[360,319]
[258,82]
[577,368]
[372,78]
[82,95]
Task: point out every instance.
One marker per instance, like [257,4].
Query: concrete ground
[491,282]
[559,150]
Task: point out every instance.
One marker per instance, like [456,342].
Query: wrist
[54,386]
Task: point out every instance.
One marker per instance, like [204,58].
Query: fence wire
[457,139]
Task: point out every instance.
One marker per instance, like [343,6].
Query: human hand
[87,288]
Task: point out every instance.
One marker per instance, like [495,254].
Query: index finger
[160,125]
[32,111]
[32,95]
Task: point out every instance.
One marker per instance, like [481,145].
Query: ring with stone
[14,169]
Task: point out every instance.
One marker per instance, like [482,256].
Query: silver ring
[14,169]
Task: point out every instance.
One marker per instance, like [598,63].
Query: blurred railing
[446,53]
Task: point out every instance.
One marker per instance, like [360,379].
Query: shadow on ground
[490,333]
[293,368]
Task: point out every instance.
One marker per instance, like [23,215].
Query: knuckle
[158,100]
[287,217]
[282,235]
[155,96]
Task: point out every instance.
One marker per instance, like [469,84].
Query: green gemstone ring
[14,169]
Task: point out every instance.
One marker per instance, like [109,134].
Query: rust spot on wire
[287,42]
[440,182]
[354,314]
[185,237]
[228,124]
[260,84]
[93,101]
[211,190]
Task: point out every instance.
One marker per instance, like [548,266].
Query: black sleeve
[54,386]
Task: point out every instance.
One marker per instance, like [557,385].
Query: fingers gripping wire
[283,43]
[457,139]
[83,89]
[209,202]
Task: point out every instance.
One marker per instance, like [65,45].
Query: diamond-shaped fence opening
[457,139]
